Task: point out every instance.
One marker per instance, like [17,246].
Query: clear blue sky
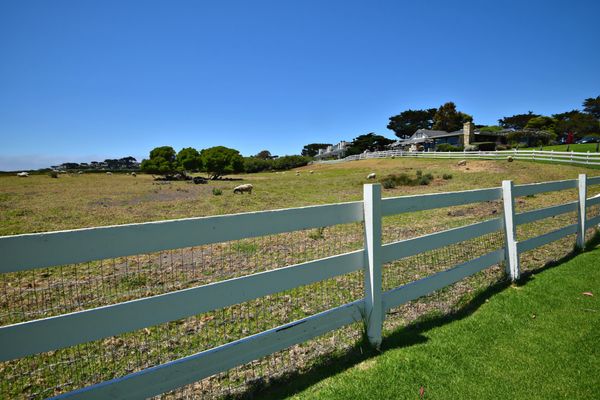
[83,80]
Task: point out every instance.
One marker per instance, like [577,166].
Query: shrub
[53,174]
[217,191]
[255,164]
[447,176]
[485,146]
[393,180]
[447,147]
[289,162]
[503,147]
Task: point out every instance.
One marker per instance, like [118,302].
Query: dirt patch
[483,166]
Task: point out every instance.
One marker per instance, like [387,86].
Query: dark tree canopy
[592,106]
[188,159]
[448,119]
[532,137]
[311,150]
[576,122]
[369,141]
[161,161]
[517,121]
[264,155]
[541,123]
[221,160]
[409,121]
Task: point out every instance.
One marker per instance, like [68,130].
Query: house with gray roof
[429,138]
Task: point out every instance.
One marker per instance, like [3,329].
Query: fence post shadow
[406,336]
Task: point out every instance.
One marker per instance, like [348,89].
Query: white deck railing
[23,252]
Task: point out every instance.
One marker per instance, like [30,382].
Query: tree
[370,141]
[311,150]
[127,162]
[541,123]
[188,159]
[448,119]
[221,160]
[264,155]
[162,161]
[409,121]
[576,122]
[517,121]
[533,137]
[592,106]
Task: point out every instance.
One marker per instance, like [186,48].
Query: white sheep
[109,173]
[133,174]
[372,175]
[80,172]
[311,172]
[462,163]
[243,188]
[23,174]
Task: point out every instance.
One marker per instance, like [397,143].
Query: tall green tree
[576,122]
[448,119]
[221,160]
[188,159]
[264,155]
[369,141]
[592,106]
[409,121]
[541,123]
[311,150]
[161,161]
[517,121]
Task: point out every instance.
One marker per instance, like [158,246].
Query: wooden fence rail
[571,157]
[23,252]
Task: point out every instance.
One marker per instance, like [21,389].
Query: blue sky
[83,80]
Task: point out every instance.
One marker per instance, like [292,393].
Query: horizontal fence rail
[31,251]
[540,155]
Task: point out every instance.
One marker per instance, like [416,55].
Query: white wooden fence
[539,155]
[30,251]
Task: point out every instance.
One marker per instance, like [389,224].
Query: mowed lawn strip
[539,340]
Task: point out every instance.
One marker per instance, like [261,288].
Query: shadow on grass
[409,335]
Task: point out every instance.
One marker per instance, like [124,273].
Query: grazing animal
[79,172]
[462,163]
[372,175]
[311,172]
[243,188]
[23,174]
[109,173]
[509,159]
[133,174]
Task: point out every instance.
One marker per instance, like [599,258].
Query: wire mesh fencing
[36,294]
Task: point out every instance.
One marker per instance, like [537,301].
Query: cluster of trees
[541,129]
[216,161]
[445,118]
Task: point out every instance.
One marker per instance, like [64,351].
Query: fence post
[511,255]
[581,214]
[372,272]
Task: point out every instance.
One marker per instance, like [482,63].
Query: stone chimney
[468,133]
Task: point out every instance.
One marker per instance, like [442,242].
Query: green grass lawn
[536,340]
[582,148]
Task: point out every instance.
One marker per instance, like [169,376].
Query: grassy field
[582,148]
[536,340]
[40,203]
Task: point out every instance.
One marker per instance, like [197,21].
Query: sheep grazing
[311,172]
[109,173]
[462,163]
[372,175]
[509,159]
[133,174]
[80,172]
[243,188]
[23,174]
